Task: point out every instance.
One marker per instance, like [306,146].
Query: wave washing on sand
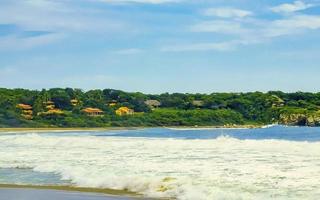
[222,168]
[205,128]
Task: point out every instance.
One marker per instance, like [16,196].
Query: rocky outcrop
[299,119]
[313,120]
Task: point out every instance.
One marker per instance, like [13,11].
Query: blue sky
[159,46]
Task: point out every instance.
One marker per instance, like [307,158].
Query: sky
[156,46]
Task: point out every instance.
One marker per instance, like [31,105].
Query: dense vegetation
[174,110]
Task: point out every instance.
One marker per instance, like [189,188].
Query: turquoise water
[203,164]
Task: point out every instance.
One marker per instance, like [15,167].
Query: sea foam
[222,168]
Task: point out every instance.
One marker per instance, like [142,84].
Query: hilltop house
[153,103]
[52,112]
[74,102]
[124,111]
[24,106]
[26,111]
[49,105]
[93,112]
[51,109]
[112,103]
[198,103]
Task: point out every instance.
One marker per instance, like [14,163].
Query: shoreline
[39,130]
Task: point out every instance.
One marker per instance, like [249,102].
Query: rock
[298,119]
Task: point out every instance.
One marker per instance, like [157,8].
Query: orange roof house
[124,111]
[49,105]
[93,112]
[26,111]
[24,106]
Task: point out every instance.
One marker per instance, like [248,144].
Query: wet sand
[43,194]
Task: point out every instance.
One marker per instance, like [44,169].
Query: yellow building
[26,111]
[112,103]
[48,102]
[24,106]
[49,105]
[124,111]
[74,102]
[93,112]
[51,112]
[51,109]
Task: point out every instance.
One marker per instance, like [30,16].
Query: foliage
[176,109]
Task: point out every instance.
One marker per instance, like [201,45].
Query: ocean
[275,162]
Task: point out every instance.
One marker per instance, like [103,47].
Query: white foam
[206,128]
[222,168]
[270,126]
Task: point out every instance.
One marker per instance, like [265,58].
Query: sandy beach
[39,130]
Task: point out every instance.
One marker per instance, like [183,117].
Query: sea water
[271,163]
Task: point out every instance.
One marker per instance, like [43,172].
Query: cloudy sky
[158,46]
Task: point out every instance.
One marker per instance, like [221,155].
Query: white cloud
[300,21]
[13,42]
[219,26]
[227,12]
[61,18]
[55,16]
[222,46]
[129,51]
[293,25]
[289,8]
[248,32]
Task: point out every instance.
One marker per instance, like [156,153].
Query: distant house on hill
[74,102]
[197,103]
[48,102]
[93,112]
[26,111]
[124,111]
[51,112]
[153,103]
[24,106]
[112,103]
[49,105]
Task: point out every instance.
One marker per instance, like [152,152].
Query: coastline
[39,130]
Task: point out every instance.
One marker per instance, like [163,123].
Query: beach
[162,163]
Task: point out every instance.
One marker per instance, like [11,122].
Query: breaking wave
[222,168]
